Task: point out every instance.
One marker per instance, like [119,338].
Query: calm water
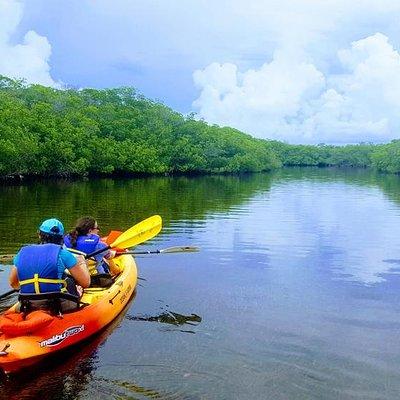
[295,293]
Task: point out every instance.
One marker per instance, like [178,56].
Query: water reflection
[317,213]
[170,318]
[119,203]
[392,261]
[297,283]
[123,389]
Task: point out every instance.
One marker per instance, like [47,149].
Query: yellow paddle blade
[139,233]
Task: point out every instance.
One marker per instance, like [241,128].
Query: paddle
[6,294]
[176,249]
[113,235]
[135,235]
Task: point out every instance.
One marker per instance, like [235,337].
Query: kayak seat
[17,324]
[55,302]
[101,280]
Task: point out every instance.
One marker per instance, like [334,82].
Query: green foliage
[364,155]
[387,157]
[50,132]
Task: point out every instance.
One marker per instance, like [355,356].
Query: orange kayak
[26,342]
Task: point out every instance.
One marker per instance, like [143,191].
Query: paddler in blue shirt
[40,268]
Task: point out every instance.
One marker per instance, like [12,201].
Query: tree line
[79,132]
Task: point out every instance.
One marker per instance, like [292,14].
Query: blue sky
[302,71]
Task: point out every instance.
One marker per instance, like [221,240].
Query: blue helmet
[52,226]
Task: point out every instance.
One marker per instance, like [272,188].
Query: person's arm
[13,278]
[81,274]
[77,268]
[107,254]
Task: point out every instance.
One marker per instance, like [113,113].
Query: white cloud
[303,71]
[290,99]
[29,59]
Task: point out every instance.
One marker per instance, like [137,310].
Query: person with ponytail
[85,239]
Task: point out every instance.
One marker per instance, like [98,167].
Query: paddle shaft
[2,296]
[175,249]
[139,252]
[97,252]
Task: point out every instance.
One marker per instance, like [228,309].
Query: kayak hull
[103,306]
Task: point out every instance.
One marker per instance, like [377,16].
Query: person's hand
[113,253]
[79,289]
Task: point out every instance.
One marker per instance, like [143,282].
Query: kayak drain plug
[4,351]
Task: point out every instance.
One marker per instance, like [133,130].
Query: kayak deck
[101,307]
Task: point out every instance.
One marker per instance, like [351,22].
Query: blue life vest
[38,270]
[86,243]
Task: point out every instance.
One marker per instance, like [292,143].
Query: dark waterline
[294,294]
